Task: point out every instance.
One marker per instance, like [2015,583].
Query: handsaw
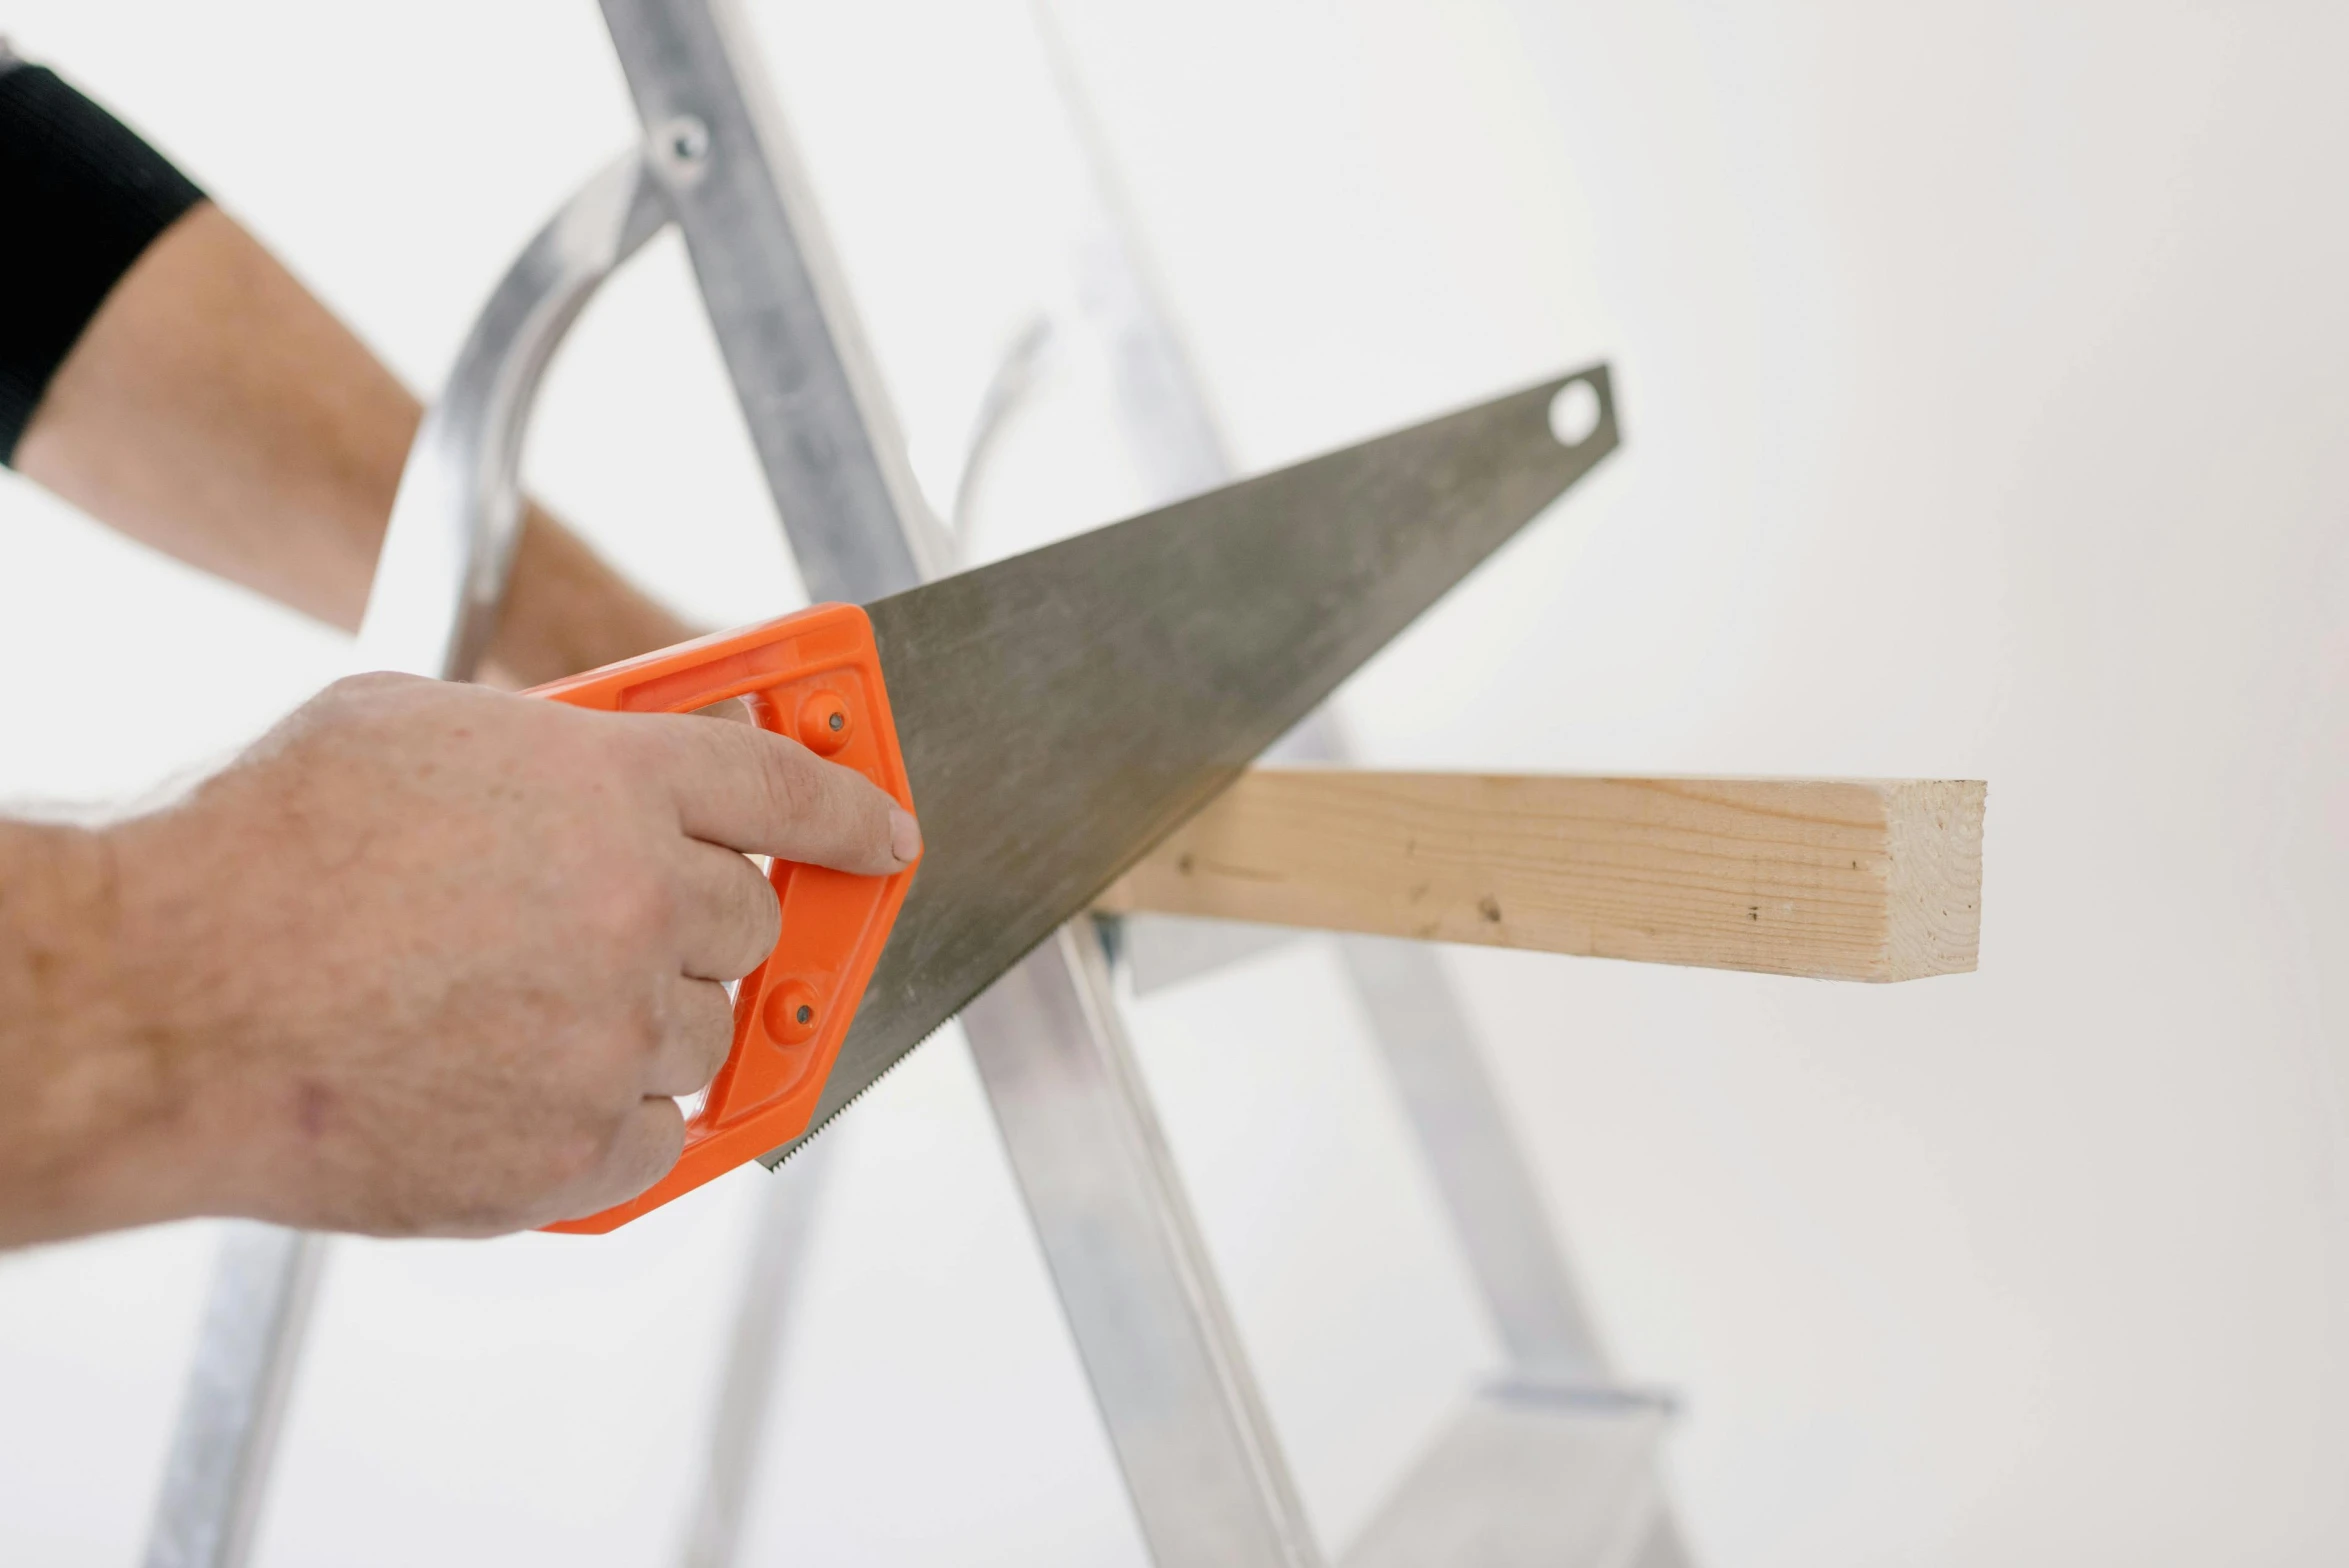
[1054,715]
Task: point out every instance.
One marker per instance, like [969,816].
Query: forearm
[216,410]
[90,1120]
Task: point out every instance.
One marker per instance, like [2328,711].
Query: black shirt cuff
[81,198]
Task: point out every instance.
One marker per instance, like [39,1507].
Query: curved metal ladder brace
[441,574]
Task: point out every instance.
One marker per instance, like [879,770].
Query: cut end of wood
[1934,885]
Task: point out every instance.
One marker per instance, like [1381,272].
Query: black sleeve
[81,197]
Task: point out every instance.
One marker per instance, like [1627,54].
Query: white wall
[1981,375]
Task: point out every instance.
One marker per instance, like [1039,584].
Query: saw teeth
[773,1159]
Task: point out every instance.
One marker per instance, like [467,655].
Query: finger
[762,794]
[727,913]
[650,1137]
[699,1033]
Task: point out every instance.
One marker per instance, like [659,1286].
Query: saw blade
[1063,710]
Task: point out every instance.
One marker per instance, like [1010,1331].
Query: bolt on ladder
[1550,1464]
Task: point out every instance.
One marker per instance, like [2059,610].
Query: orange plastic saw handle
[816,677]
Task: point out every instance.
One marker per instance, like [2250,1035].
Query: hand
[431,959]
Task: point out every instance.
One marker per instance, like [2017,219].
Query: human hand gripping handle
[814,677]
[431,959]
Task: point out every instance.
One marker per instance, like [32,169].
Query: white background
[1982,376]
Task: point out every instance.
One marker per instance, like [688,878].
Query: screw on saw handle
[816,677]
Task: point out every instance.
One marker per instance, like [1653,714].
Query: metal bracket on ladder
[1203,1466]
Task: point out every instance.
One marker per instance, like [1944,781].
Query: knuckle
[646,1032]
[609,1067]
[655,1138]
[711,1037]
[375,692]
[640,749]
[634,908]
[574,1156]
[758,914]
[715,1050]
[787,776]
[366,684]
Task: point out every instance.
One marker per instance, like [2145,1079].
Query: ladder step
[1526,1476]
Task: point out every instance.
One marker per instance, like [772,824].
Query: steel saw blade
[1063,710]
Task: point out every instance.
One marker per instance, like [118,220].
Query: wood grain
[1848,879]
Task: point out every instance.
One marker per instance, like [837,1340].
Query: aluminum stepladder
[1550,1464]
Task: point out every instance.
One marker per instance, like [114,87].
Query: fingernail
[905,836]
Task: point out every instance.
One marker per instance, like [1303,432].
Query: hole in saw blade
[1574,413]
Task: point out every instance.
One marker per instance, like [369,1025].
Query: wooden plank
[1848,879]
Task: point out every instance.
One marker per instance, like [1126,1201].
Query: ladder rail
[1201,1463]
